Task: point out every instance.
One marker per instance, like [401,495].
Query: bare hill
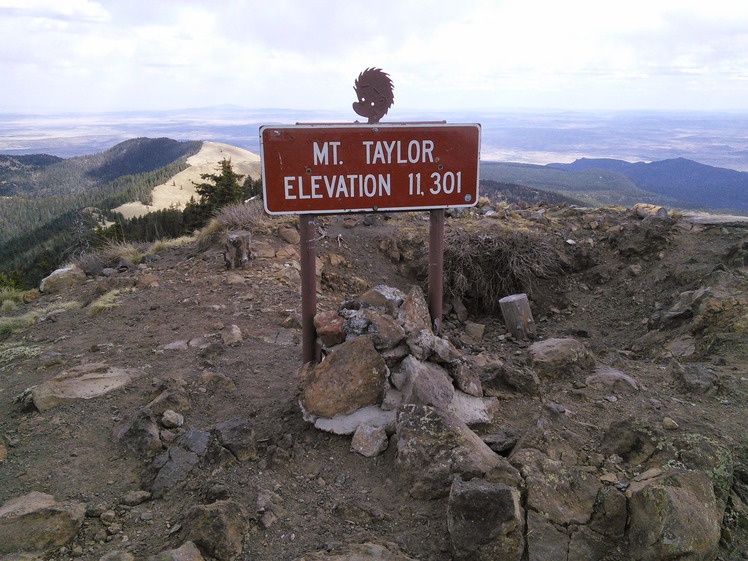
[178,190]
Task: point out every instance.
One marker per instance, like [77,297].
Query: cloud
[293,53]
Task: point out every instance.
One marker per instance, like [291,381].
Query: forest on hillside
[49,203]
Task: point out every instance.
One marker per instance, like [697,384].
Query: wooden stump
[518,316]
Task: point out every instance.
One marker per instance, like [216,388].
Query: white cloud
[55,54]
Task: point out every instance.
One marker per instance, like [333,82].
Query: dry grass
[11,324]
[107,301]
[162,245]
[482,266]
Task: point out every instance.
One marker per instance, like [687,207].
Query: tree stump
[518,316]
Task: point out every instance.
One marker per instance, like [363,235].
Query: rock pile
[388,379]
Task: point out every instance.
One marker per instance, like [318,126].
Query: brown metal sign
[321,169]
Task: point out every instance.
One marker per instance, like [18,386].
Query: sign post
[330,169]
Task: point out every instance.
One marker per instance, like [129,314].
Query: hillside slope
[689,183]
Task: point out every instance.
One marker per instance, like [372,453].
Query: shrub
[482,266]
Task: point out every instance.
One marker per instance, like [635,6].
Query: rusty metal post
[436,267]
[308,263]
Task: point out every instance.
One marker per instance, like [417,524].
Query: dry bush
[482,266]
[90,263]
[249,216]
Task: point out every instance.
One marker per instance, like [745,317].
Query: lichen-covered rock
[434,446]
[485,521]
[674,516]
[218,529]
[562,493]
[38,522]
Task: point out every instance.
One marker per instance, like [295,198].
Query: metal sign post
[316,169]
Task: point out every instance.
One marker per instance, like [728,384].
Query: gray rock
[188,551]
[62,279]
[38,522]
[434,446]
[140,433]
[485,521]
[426,383]
[217,529]
[180,459]
[693,378]
[561,358]
[238,436]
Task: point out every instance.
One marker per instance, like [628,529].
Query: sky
[130,55]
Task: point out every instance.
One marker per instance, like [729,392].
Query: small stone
[114,529]
[171,419]
[231,335]
[668,423]
[134,498]
[107,517]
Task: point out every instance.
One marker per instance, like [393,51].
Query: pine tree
[218,191]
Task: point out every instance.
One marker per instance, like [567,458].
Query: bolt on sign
[365,168]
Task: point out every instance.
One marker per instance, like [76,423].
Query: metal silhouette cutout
[375,94]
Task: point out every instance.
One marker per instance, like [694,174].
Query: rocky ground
[617,434]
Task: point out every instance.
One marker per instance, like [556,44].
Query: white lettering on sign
[337,186]
[383,152]
[322,153]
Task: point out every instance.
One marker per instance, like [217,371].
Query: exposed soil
[608,296]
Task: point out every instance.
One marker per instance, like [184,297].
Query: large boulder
[62,279]
[38,522]
[352,377]
[486,521]
[674,516]
[561,358]
[434,446]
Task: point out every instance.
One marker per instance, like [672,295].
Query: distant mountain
[687,182]
[594,187]
[41,175]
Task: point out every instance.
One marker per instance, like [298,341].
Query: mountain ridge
[682,179]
